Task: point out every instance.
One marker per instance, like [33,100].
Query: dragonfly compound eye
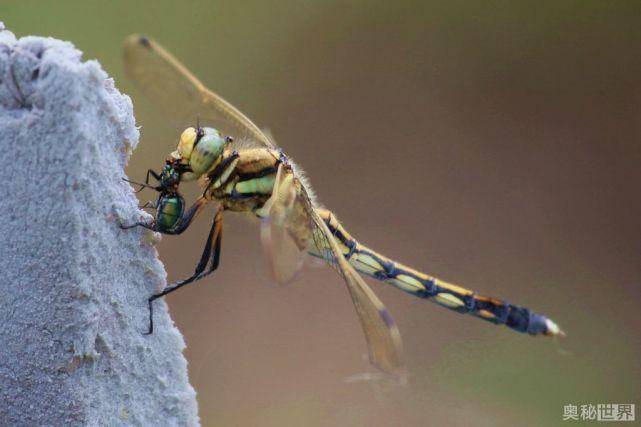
[207,149]
[170,209]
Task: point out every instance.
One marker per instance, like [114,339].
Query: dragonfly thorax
[200,148]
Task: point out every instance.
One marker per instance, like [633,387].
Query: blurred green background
[491,144]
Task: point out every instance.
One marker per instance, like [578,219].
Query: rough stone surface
[74,288]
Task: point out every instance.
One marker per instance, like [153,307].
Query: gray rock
[74,288]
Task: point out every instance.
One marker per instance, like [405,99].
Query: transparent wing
[283,256]
[175,90]
[293,217]
[284,234]
[383,337]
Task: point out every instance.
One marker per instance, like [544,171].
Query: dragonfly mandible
[241,169]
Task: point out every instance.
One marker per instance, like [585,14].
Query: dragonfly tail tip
[553,329]
[541,325]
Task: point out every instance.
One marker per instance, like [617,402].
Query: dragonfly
[241,169]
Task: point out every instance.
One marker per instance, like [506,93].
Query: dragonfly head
[200,148]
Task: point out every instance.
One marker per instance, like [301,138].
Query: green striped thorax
[201,149]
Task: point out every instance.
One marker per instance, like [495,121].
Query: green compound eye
[207,150]
[170,209]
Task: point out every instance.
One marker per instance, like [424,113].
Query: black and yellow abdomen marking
[448,295]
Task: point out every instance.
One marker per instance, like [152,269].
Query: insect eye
[229,139]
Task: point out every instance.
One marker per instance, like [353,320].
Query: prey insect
[248,173]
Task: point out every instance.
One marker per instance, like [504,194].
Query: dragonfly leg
[220,169]
[211,253]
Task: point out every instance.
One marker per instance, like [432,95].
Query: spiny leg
[215,255]
[151,204]
[214,238]
[146,184]
[149,226]
[153,173]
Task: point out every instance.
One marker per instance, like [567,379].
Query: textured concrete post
[74,287]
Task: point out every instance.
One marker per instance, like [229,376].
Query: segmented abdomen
[448,295]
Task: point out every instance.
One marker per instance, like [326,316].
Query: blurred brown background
[490,144]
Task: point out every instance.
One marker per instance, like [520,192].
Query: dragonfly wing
[173,88]
[283,256]
[162,79]
[284,237]
[383,337]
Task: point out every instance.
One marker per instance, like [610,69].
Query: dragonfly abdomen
[453,297]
